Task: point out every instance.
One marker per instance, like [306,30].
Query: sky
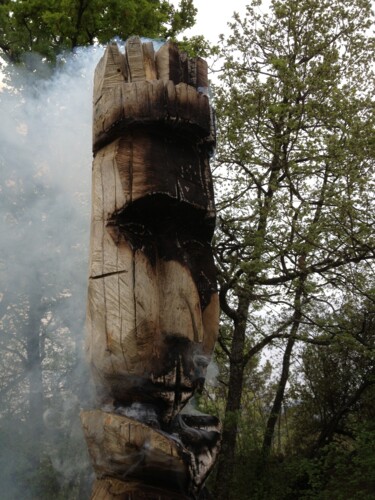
[213,17]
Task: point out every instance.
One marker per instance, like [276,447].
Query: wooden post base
[134,461]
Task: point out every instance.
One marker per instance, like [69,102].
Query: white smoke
[45,184]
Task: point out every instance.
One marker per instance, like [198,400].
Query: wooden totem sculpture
[152,300]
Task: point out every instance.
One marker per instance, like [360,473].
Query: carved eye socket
[161,215]
[136,229]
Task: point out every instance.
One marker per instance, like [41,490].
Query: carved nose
[179,304]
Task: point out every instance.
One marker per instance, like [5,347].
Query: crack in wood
[105,275]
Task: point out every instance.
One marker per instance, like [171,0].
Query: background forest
[295,245]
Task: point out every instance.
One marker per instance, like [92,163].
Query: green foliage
[195,46]
[333,384]
[51,27]
[341,471]
[295,185]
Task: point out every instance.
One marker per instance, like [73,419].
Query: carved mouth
[173,388]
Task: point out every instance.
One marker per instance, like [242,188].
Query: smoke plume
[45,169]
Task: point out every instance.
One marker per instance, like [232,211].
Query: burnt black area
[200,420]
[179,360]
[197,439]
[180,375]
[150,393]
[166,228]
[193,437]
[190,132]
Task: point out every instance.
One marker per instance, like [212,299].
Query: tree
[295,178]
[336,379]
[332,414]
[51,27]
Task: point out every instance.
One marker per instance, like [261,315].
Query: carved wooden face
[153,306]
[152,301]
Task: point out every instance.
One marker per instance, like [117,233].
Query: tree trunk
[277,404]
[279,397]
[232,411]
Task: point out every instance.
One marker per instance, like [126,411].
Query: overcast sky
[213,16]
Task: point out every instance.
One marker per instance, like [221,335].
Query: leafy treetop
[52,26]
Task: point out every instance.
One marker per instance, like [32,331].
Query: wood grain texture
[140,86]
[110,72]
[134,59]
[123,447]
[151,103]
[152,276]
[168,63]
[149,61]
[152,462]
[152,308]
